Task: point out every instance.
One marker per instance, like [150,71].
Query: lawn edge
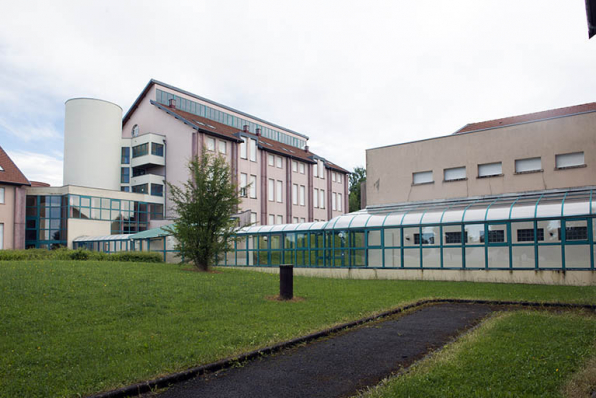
[165,381]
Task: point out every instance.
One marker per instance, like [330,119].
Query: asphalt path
[341,364]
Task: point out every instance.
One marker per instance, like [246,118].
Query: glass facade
[46,216]
[227,119]
[549,230]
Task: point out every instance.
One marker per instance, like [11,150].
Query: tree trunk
[201,265]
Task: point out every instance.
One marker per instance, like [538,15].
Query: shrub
[141,257]
[78,255]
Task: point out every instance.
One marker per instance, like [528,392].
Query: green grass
[514,354]
[69,327]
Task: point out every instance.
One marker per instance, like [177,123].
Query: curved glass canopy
[541,205]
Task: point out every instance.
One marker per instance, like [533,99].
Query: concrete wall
[569,278]
[389,169]
[79,227]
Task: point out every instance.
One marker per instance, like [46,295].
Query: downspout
[165,180]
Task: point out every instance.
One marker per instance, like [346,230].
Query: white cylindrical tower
[92,135]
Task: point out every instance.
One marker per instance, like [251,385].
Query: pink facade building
[12,204]
[281,181]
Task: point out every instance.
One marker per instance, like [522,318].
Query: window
[295,220]
[253,150]
[2,190]
[422,177]
[279,162]
[253,186]
[125,159]
[280,219]
[243,183]
[315,198]
[280,189]
[143,188]
[243,148]
[124,175]
[452,237]
[498,236]
[156,189]
[528,165]
[294,166]
[1,236]
[270,160]
[527,235]
[576,233]
[135,130]
[302,168]
[140,150]
[454,174]
[339,177]
[321,170]
[322,199]
[295,194]
[490,170]
[334,201]
[302,195]
[271,219]
[427,238]
[271,191]
[564,161]
[253,218]
[315,170]
[222,147]
[302,219]
[156,149]
[339,201]
[210,144]
[333,176]
[125,189]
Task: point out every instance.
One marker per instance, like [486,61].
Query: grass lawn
[516,354]
[69,328]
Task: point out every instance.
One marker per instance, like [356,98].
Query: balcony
[148,150]
[150,184]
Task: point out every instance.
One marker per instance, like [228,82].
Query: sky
[351,75]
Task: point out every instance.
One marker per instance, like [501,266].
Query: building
[280,179]
[13,186]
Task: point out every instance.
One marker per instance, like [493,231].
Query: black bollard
[286,281]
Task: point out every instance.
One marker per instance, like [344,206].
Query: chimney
[173,103]
[245,128]
[306,148]
[258,132]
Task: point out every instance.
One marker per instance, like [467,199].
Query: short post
[286,281]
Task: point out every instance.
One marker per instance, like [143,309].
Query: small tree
[205,205]
[356,178]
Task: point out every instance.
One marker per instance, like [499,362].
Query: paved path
[339,366]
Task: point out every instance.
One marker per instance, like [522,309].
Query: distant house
[12,204]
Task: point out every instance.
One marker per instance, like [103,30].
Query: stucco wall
[7,215]
[389,169]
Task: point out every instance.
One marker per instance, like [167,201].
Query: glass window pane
[523,256]
[452,257]
[498,257]
[410,235]
[374,238]
[412,258]
[474,234]
[393,258]
[431,258]
[392,237]
[549,256]
[475,257]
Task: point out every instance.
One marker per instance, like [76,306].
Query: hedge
[79,255]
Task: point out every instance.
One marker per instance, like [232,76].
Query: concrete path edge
[165,381]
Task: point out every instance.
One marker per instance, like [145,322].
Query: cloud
[38,166]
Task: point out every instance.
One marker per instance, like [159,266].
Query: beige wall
[389,169]
[79,227]
[7,216]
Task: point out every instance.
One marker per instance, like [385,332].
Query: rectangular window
[322,199]
[143,188]
[124,176]
[301,168]
[222,147]
[295,220]
[427,238]
[271,190]
[279,193]
[497,236]
[243,148]
[334,201]
[339,177]
[302,195]
[253,150]
[321,170]
[452,237]
[2,190]
[253,186]
[270,160]
[333,176]
[339,202]
[302,219]
[125,189]
[527,235]
[243,183]
[454,174]
[315,169]
[156,149]
[140,150]
[253,218]
[315,198]
[528,165]
[576,233]
[490,169]
[156,189]
[280,219]
[271,219]
[294,166]
[210,144]
[295,194]
[279,162]
[125,159]
[575,159]
[422,177]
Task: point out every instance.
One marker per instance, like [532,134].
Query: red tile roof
[221,130]
[39,184]
[530,117]
[9,172]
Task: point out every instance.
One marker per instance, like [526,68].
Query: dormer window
[135,130]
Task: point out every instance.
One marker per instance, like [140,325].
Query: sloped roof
[9,172]
[528,118]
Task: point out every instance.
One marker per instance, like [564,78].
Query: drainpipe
[165,179]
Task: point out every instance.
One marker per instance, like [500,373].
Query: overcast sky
[350,75]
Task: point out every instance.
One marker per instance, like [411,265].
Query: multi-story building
[12,204]
[281,181]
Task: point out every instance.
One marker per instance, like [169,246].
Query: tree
[205,205]
[357,177]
